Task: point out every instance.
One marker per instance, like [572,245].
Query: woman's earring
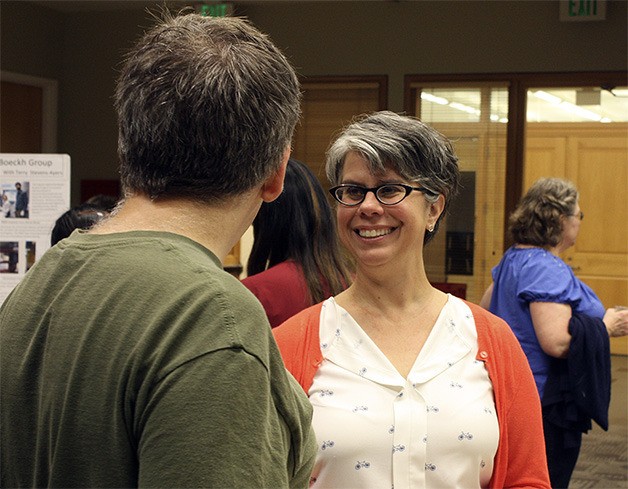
[430,228]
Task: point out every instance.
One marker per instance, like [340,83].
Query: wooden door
[329,103]
[21,118]
[595,158]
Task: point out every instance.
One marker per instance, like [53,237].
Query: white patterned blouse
[436,428]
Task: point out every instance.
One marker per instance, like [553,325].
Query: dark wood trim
[515,152]
[559,79]
[409,94]
[577,79]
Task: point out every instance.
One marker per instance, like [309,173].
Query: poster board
[35,191]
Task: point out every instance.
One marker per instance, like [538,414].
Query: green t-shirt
[133,359]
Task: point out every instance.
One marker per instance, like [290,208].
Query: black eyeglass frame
[408,189]
[579,215]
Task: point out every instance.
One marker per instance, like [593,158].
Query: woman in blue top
[536,292]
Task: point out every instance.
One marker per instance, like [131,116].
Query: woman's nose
[370,204]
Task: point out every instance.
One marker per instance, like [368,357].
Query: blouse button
[483,355]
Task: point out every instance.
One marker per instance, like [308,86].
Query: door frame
[50,94]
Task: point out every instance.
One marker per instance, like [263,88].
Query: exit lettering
[582,7]
[582,10]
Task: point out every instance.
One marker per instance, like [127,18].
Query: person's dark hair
[206,108]
[537,219]
[414,150]
[83,216]
[300,225]
[105,202]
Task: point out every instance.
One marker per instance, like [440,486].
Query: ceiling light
[433,98]
[464,108]
[548,97]
[579,111]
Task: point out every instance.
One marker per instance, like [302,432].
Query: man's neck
[218,226]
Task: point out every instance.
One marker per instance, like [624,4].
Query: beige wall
[82,49]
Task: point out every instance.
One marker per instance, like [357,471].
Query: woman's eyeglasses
[387,194]
[579,215]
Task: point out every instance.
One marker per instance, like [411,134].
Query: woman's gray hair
[537,220]
[404,144]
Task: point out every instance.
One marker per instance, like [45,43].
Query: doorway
[29,114]
[582,135]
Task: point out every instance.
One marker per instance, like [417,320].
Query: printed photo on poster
[15,199]
[8,256]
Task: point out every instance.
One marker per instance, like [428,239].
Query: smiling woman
[405,229]
[394,358]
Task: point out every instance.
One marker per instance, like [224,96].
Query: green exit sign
[215,9]
[582,10]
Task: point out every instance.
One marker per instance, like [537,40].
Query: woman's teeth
[373,233]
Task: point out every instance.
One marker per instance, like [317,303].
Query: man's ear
[273,186]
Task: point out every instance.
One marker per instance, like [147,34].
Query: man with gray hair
[129,357]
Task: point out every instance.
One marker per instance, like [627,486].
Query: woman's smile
[374,233]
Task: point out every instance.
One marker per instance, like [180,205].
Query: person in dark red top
[296,259]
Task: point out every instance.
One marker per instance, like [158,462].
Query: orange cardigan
[520,460]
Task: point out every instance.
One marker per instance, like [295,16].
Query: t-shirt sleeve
[546,280]
[212,423]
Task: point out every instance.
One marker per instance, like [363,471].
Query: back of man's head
[206,108]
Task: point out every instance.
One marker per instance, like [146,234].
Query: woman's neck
[384,291]
[554,250]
